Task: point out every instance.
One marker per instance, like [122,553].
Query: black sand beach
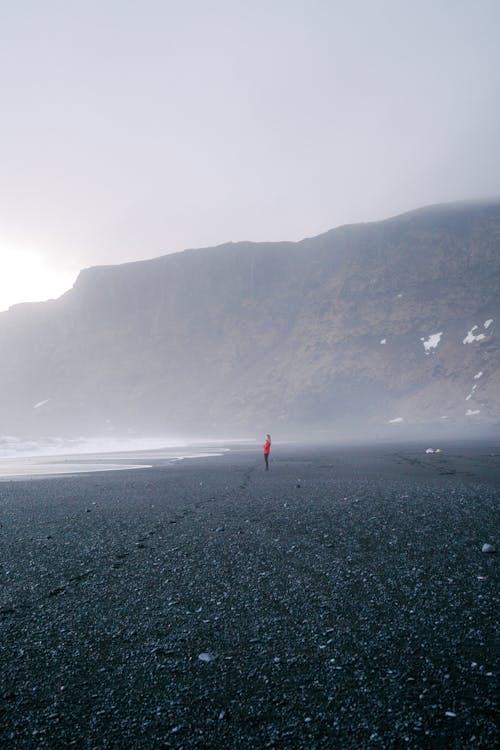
[340,600]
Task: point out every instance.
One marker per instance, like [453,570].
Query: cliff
[348,330]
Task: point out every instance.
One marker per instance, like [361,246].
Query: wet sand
[339,600]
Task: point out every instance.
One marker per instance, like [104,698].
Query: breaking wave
[12,446]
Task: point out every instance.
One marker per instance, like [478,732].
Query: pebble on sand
[488,548]
[206,657]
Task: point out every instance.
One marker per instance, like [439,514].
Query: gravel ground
[340,600]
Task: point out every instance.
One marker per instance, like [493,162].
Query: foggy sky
[133,129]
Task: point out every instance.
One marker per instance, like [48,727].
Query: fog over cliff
[366,328]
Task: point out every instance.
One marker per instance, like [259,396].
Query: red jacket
[267,447]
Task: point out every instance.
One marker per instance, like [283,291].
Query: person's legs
[266,459]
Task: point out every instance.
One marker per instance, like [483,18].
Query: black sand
[343,597]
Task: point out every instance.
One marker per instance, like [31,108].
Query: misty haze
[374,330]
[249,375]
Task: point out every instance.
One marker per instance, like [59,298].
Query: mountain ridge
[235,244]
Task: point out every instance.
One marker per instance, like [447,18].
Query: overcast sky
[130,129]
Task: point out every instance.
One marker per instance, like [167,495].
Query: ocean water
[50,456]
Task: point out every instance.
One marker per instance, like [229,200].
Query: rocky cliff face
[362,325]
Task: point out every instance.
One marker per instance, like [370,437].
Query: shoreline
[74,464]
[52,466]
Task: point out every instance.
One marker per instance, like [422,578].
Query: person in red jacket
[267,451]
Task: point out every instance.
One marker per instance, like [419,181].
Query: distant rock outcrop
[387,322]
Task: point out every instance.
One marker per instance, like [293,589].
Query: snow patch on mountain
[478,375]
[471,412]
[432,341]
[41,403]
[468,398]
[471,336]
[488,322]
[396,419]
